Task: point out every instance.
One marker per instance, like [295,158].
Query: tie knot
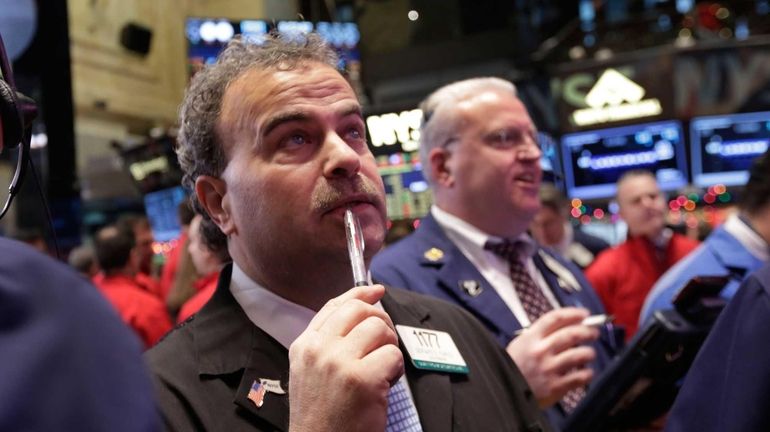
[507,249]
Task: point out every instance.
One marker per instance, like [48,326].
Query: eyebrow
[301,116]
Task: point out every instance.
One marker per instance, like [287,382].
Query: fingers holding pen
[370,295]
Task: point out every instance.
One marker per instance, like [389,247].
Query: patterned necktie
[402,414]
[531,296]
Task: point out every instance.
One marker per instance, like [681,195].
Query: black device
[640,385]
[16,115]
[699,301]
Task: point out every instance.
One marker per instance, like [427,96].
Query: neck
[490,222]
[309,281]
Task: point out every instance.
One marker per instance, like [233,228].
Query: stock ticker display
[393,139]
[595,160]
[723,147]
[406,192]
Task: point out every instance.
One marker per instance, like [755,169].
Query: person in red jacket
[623,275]
[185,215]
[143,312]
[208,257]
[139,226]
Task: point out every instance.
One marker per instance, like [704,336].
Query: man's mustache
[330,194]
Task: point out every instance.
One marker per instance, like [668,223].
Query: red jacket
[623,275]
[143,312]
[169,268]
[205,288]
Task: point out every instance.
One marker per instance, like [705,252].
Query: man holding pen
[479,152]
[272,141]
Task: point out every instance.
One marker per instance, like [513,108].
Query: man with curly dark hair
[273,144]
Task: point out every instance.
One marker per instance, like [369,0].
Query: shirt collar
[569,235]
[469,236]
[746,236]
[276,316]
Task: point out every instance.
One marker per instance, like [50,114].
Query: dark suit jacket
[728,385]
[428,262]
[205,368]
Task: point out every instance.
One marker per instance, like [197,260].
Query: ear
[440,170]
[212,194]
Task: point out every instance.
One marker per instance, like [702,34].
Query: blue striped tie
[402,414]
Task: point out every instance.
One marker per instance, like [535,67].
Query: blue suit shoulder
[728,385]
[70,347]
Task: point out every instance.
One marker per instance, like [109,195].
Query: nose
[341,160]
[530,150]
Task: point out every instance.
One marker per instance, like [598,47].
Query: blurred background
[678,87]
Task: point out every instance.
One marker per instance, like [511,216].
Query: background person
[482,160]
[551,227]
[119,261]
[208,258]
[624,275]
[736,248]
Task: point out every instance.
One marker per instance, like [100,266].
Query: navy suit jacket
[728,385]
[68,361]
[428,262]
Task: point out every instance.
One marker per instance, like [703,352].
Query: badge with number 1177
[432,350]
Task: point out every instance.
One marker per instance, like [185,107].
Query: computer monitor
[407,194]
[161,208]
[595,160]
[206,37]
[723,147]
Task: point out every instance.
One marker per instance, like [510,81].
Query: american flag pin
[257,393]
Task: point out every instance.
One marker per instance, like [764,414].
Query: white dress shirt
[276,316]
[496,270]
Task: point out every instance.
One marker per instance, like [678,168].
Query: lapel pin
[272,386]
[257,393]
[433,254]
[471,287]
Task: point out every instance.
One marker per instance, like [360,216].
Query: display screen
[161,208]
[723,147]
[206,37]
[407,194]
[595,160]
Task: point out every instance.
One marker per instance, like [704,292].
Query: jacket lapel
[432,391]
[454,269]
[563,290]
[269,360]
[227,343]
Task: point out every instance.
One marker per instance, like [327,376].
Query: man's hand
[551,355]
[343,364]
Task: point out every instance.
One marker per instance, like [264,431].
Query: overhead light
[413,15]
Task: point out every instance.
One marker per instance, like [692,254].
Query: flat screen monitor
[550,161]
[161,208]
[723,147]
[206,37]
[595,160]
